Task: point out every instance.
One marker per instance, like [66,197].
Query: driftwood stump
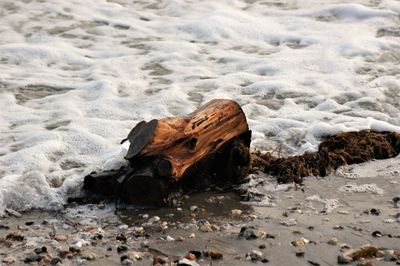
[208,146]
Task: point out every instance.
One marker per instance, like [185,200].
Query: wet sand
[322,209]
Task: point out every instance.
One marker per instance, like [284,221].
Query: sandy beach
[326,216]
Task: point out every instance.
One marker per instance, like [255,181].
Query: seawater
[76,76]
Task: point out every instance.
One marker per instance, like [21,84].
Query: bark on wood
[208,146]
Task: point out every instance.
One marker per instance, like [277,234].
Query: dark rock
[121,249]
[262,246]
[55,260]
[121,238]
[196,253]
[265,260]
[4,227]
[313,263]
[123,257]
[40,250]
[377,234]
[300,254]
[14,237]
[159,260]
[65,254]
[375,212]
[31,257]
[343,259]
[29,223]
[250,232]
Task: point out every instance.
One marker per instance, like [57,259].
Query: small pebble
[121,249]
[89,256]
[343,259]
[213,254]
[169,239]
[300,254]
[55,261]
[190,256]
[333,241]
[8,259]
[375,212]
[61,237]
[40,250]
[255,255]
[262,246]
[121,238]
[377,234]
[159,260]
[154,219]
[11,212]
[236,212]
[288,222]
[123,227]
[186,262]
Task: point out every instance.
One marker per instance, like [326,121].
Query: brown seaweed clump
[344,148]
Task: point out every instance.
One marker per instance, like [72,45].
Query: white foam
[364,188]
[76,76]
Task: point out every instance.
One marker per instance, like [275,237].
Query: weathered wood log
[208,146]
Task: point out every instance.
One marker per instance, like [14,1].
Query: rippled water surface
[76,76]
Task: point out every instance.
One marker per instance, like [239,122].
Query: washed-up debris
[367,251]
[344,148]
[15,236]
[215,255]
[11,212]
[251,232]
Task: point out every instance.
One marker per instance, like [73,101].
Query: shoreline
[351,207]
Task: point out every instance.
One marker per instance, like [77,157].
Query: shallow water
[76,77]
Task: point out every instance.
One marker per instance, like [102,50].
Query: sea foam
[76,76]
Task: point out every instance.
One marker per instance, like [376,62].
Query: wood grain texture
[185,140]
